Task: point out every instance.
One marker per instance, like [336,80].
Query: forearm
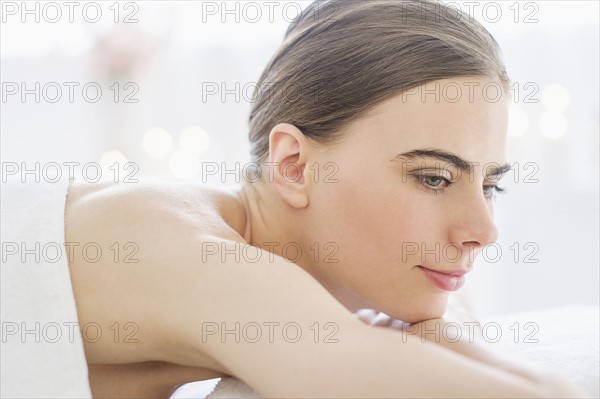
[470,342]
[375,362]
[439,331]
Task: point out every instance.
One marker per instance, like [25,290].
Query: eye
[490,190]
[433,183]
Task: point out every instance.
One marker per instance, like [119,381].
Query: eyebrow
[455,160]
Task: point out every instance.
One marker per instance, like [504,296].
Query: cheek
[370,227]
[370,224]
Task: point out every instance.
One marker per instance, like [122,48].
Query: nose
[472,225]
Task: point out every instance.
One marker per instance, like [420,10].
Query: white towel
[563,339]
[42,348]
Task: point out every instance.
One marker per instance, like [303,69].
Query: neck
[271,227]
[266,220]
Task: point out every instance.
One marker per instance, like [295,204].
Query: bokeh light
[157,142]
[194,139]
[553,125]
[555,98]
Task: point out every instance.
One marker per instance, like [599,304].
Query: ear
[289,150]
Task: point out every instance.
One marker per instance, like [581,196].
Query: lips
[448,280]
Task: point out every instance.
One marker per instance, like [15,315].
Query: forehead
[466,116]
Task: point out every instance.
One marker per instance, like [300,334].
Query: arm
[469,343]
[142,380]
[359,361]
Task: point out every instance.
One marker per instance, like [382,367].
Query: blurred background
[165,88]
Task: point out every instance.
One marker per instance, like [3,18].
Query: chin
[417,312]
[416,317]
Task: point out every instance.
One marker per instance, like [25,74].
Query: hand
[456,317]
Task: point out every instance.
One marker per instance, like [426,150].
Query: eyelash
[421,179]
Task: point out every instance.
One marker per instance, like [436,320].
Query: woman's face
[377,215]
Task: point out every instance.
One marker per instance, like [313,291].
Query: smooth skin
[209,257]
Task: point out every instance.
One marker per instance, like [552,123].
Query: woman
[379,146]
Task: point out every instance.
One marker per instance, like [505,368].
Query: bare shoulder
[135,257]
[185,204]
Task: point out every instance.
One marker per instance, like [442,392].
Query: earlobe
[288,154]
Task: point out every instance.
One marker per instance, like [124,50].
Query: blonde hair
[340,58]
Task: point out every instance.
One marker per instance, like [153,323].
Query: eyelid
[434,172]
[493,178]
[496,188]
[420,178]
[419,174]
[488,180]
